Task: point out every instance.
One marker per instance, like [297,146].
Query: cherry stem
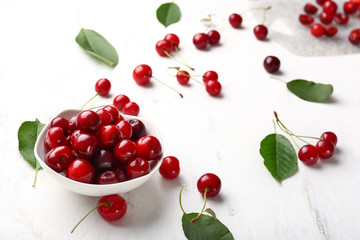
[36,173]
[279,79]
[202,210]
[177,60]
[168,86]
[182,209]
[187,75]
[265,11]
[107,204]
[90,100]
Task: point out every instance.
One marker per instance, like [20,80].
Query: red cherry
[260,32]
[210,75]
[325,149]
[62,123]
[88,121]
[103,160]
[59,158]
[330,31]
[113,207]
[138,127]
[310,8]
[114,113]
[81,170]
[125,129]
[173,39]
[306,19]
[125,150]
[214,37]
[271,64]
[142,74]
[170,167]
[209,182]
[148,147]
[330,137]
[317,30]
[308,154]
[55,137]
[105,116]
[103,86]
[330,7]
[200,40]
[163,48]
[341,18]
[120,169]
[84,144]
[137,167]
[320,2]
[131,108]
[120,100]
[108,177]
[326,17]
[72,124]
[235,20]
[354,36]
[182,77]
[213,87]
[350,7]
[108,136]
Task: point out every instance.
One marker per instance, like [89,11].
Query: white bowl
[94,189]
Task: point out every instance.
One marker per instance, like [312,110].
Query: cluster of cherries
[328,15]
[202,40]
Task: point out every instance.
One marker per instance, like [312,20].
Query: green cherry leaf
[168,13]
[96,45]
[279,156]
[310,91]
[27,135]
[206,228]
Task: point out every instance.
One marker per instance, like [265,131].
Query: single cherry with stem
[183,76]
[102,88]
[142,75]
[111,208]
[261,31]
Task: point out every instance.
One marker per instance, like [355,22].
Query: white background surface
[43,71]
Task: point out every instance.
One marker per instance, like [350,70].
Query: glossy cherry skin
[183,77]
[214,37]
[211,182]
[200,40]
[320,2]
[81,170]
[125,150]
[162,47]
[330,30]
[55,137]
[84,145]
[131,108]
[325,149]
[341,18]
[88,121]
[108,136]
[310,8]
[142,74]
[120,100]
[308,154]
[62,123]
[105,116]
[326,17]
[350,7]
[125,128]
[271,64]
[317,30]
[173,39]
[148,147]
[137,167]
[120,169]
[114,209]
[138,127]
[260,32]
[114,113]
[108,177]
[235,20]
[354,36]
[210,75]
[103,160]
[329,136]
[170,167]
[59,158]
[306,19]
[213,87]
[330,7]
[72,124]
[103,86]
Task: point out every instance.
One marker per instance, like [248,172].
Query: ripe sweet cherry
[260,32]
[209,185]
[271,64]
[310,8]
[210,75]
[214,37]
[88,121]
[131,108]
[170,167]
[326,17]
[213,87]
[108,136]
[163,48]
[125,150]
[320,2]
[125,128]
[102,87]
[84,145]
[114,113]
[330,137]
[120,100]
[59,158]
[350,7]
[148,147]
[341,18]
[138,129]
[354,36]
[137,167]
[174,40]
[317,30]
[308,154]
[235,20]
[330,30]
[182,77]
[81,170]
[325,149]
[62,123]
[103,160]
[330,7]
[108,177]
[55,137]
[306,19]
[200,40]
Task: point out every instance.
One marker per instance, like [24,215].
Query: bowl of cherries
[97,153]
